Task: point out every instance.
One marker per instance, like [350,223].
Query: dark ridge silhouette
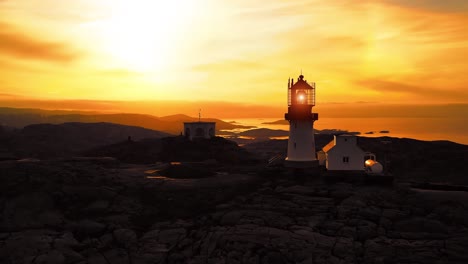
[170,124]
[178,148]
[69,139]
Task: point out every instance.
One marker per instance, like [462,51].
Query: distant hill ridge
[173,124]
[68,139]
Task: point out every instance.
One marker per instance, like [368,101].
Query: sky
[233,52]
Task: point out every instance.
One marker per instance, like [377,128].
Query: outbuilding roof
[332,143]
[329,146]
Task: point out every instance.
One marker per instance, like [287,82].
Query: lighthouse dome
[373,166]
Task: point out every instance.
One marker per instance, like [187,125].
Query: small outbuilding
[342,154]
[199,129]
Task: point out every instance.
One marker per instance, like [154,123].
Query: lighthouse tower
[301,143]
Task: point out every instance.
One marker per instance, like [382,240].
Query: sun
[143,35]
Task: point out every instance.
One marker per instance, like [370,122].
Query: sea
[430,129]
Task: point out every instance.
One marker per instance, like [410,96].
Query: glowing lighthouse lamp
[301,143]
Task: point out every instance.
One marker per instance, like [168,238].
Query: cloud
[452,6]
[7,95]
[17,44]
[419,91]
[117,72]
[229,65]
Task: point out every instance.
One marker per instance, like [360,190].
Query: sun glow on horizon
[237,51]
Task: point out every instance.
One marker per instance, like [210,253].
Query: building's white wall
[345,147]
[204,129]
[301,143]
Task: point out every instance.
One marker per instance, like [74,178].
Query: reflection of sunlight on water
[453,129]
[151,171]
[236,136]
[156,177]
[237,130]
[279,138]
[259,123]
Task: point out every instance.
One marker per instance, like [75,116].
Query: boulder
[324,242]
[88,227]
[456,248]
[99,206]
[231,218]
[71,256]
[377,250]
[125,237]
[22,212]
[52,257]
[343,247]
[419,224]
[26,245]
[66,240]
[296,189]
[393,214]
[273,258]
[116,256]
[365,230]
[171,237]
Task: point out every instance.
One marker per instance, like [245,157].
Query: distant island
[329,131]
[172,124]
[277,122]
[373,132]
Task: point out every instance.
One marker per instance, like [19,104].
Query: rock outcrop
[86,213]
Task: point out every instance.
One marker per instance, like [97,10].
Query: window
[345,159]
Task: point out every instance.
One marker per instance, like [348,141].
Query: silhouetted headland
[107,193]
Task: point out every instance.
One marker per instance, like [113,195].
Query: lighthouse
[301,143]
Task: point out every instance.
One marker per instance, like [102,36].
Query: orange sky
[237,51]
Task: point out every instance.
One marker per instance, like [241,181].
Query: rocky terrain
[99,211]
[121,201]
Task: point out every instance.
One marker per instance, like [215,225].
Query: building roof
[332,143]
[301,84]
[329,146]
[199,122]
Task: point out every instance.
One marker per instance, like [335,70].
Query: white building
[342,154]
[199,130]
[301,142]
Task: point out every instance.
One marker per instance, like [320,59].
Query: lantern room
[301,99]
[301,92]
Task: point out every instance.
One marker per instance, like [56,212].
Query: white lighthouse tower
[301,143]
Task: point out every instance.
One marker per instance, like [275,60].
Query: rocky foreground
[84,212]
